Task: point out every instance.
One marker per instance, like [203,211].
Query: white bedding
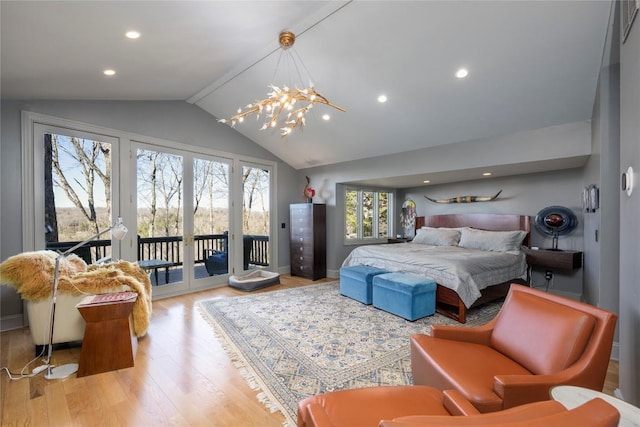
[466,271]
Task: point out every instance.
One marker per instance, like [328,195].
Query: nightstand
[552,260]
[560,260]
[399,239]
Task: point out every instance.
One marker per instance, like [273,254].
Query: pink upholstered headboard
[492,222]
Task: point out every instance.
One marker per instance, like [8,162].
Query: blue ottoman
[405,295]
[356,282]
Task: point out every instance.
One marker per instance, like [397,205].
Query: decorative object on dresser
[308,240]
[308,191]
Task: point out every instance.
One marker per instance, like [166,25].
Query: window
[367,215]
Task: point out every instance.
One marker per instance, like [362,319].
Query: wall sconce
[590,198]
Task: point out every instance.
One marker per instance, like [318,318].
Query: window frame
[375,238]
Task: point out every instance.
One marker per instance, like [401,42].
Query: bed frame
[448,303]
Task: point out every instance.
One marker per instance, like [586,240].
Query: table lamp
[118,230]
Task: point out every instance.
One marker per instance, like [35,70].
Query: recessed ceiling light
[109,72]
[426,181]
[326,117]
[132,34]
[487,174]
[382,99]
[462,73]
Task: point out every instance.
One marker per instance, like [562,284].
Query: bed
[476,272]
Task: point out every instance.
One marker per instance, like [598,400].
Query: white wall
[173,121]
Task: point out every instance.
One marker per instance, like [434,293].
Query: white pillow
[437,236]
[497,241]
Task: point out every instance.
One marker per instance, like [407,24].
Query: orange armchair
[537,340]
[421,406]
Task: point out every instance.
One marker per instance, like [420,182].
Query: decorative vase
[309,200]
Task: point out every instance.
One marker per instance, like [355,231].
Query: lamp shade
[119,230]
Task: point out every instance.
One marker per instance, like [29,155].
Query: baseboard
[333,274]
[8,323]
[284,270]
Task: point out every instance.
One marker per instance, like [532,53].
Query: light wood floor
[182,377]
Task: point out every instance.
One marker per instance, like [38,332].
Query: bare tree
[50,216]
[202,180]
[147,185]
[169,175]
[255,184]
[249,184]
[85,155]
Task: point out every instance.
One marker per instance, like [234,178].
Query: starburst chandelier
[284,106]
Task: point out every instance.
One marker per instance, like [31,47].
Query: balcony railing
[169,248]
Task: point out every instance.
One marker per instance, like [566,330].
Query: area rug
[293,343]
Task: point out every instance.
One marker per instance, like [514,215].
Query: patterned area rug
[294,343]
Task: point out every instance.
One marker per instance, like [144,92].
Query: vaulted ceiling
[532,64]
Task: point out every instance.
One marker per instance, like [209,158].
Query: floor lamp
[118,230]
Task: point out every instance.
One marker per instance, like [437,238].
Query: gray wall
[601,270]
[629,322]
[522,195]
[174,121]
[566,141]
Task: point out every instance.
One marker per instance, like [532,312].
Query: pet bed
[257,279]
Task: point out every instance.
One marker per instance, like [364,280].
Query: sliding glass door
[211,218]
[183,218]
[195,216]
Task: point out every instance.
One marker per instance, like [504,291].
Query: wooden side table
[572,397]
[109,341]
